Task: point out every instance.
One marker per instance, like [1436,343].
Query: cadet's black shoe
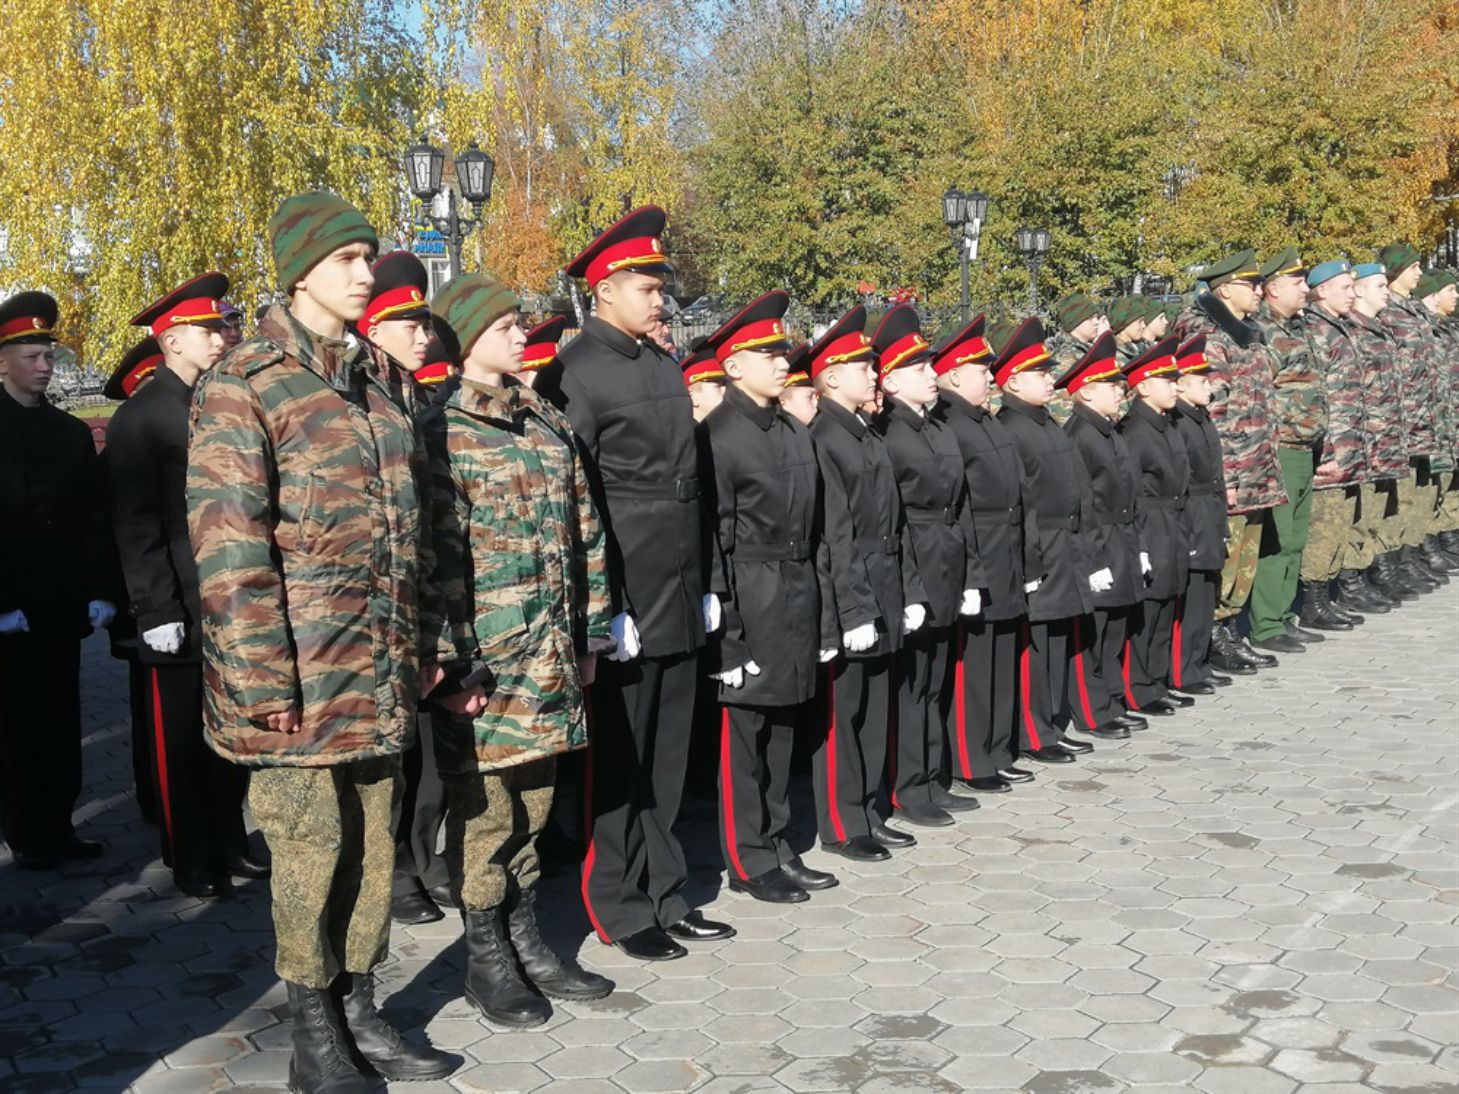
[650,944]
[859,849]
[245,865]
[894,838]
[1256,657]
[1302,635]
[808,879]
[1279,643]
[1158,708]
[694,927]
[414,907]
[944,798]
[990,784]
[200,886]
[1109,731]
[33,860]
[380,1046]
[1176,698]
[1016,774]
[441,894]
[1074,746]
[924,815]
[74,846]
[1198,687]
[1217,680]
[1133,722]
[773,887]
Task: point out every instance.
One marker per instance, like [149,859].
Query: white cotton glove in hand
[1145,563]
[164,639]
[713,614]
[972,602]
[625,633]
[735,678]
[859,639]
[913,616]
[100,612]
[1102,581]
[1032,586]
[14,622]
[827,655]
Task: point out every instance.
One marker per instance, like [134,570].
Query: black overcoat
[1112,538]
[1165,471]
[1205,510]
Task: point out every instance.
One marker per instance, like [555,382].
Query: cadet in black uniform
[767,491]
[626,401]
[985,734]
[1058,488]
[1112,539]
[1164,470]
[57,584]
[929,470]
[199,794]
[541,348]
[873,584]
[1205,523]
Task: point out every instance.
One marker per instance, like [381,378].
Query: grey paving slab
[1259,895]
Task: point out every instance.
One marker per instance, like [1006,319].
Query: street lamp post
[424,164]
[1033,245]
[964,213]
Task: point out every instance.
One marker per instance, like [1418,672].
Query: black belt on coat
[673,490]
[877,545]
[797,550]
[932,516]
[1164,503]
[1069,522]
[992,518]
[1201,489]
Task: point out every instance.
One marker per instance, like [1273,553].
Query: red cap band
[903,351]
[1105,368]
[762,332]
[640,251]
[963,353]
[1025,358]
[434,373]
[1161,366]
[537,355]
[20,328]
[1193,362]
[704,370]
[198,310]
[394,302]
[849,347]
[143,369]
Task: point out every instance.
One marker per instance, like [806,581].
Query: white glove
[625,633]
[100,612]
[859,639]
[1032,586]
[713,615]
[827,655]
[14,622]
[913,616]
[1102,580]
[164,639]
[1145,562]
[972,602]
[735,678]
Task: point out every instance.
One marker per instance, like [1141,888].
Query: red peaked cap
[136,367]
[198,302]
[634,242]
[845,340]
[798,359]
[541,348]
[1100,362]
[898,340]
[760,324]
[1158,360]
[439,365]
[1191,357]
[28,317]
[967,346]
[401,284]
[702,365]
[1023,351]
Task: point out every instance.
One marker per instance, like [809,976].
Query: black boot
[1224,655]
[380,1045]
[493,984]
[1355,592]
[549,974]
[1316,611]
[321,1062]
[1412,570]
[1435,558]
[1449,541]
[1383,577]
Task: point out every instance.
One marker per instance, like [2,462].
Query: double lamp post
[424,164]
[964,213]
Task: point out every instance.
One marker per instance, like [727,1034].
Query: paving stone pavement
[1256,896]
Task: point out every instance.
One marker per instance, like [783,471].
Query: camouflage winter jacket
[305,516]
[1066,351]
[1417,370]
[1345,443]
[1243,403]
[519,556]
[1445,348]
[1300,392]
[1379,352]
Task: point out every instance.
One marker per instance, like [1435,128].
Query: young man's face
[1337,294]
[1133,333]
[1195,389]
[1103,397]
[660,335]
[1155,328]
[1446,299]
[704,396]
[915,385]
[26,370]
[800,402]
[634,300]
[195,347]
[499,349]
[404,339]
[1090,329]
[340,282]
[853,381]
[972,381]
[1286,294]
[232,330]
[1158,391]
[1372,293]
[1404,282]
[760,374]
[1035,386]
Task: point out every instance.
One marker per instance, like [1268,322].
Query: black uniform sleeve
[849,590]
[974,576]
[1034,566]
[138,523]
[733,650]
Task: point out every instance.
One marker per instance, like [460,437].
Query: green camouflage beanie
[999,333]
[471,303]
[1428,284]
[308,227]
[1125,311]
[1075,309]
[1397,257]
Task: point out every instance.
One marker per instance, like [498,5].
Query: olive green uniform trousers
[493,819]
[1334,514]
[1243,550]
[1283,540]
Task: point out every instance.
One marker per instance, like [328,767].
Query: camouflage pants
[1388,529]
[1243,550]
[493,819]
[1448,514]
[1418,504]
[328,829]
[1334,512]
[1363,536]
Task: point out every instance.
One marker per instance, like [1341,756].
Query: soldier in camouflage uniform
[520,563]
[1243,408]
[1081,320]
[1438,293]
[1301,406]
[1127,323]
[304,514]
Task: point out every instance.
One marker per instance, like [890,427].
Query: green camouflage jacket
[1388,456]
[305,517]
[1449,328]
[1243,402]
[1345,442]
[1417,371]
[519,555]
[1300,392]
[1445,348]
[1066,352]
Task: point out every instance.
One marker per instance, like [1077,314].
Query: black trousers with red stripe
[634,867]
[199,794]
[849,763]
[1195,617]
[754,788]
[1096,684]
[1148,660]
[924,708]
[40,740]
[139,696]
[985,721]
[1045,661]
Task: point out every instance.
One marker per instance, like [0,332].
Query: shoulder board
[252,356]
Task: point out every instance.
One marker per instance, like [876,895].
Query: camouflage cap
[1075,309]
[1241,265]
[1124,311]
[307,227]
[1397,257]
[1447,277]
[1285,263]
[1154,307]
[1430,282]
[999,333]
[471,303]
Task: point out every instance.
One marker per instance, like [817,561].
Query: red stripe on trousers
[727,795]
[962,712]
[831,802]
[894,733]
[1026,690]
[159,742]
[1079,673]
[1125,674]
[1175,656]
[590,857]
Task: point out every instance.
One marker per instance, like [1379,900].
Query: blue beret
[1368,269]
[1326,271]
